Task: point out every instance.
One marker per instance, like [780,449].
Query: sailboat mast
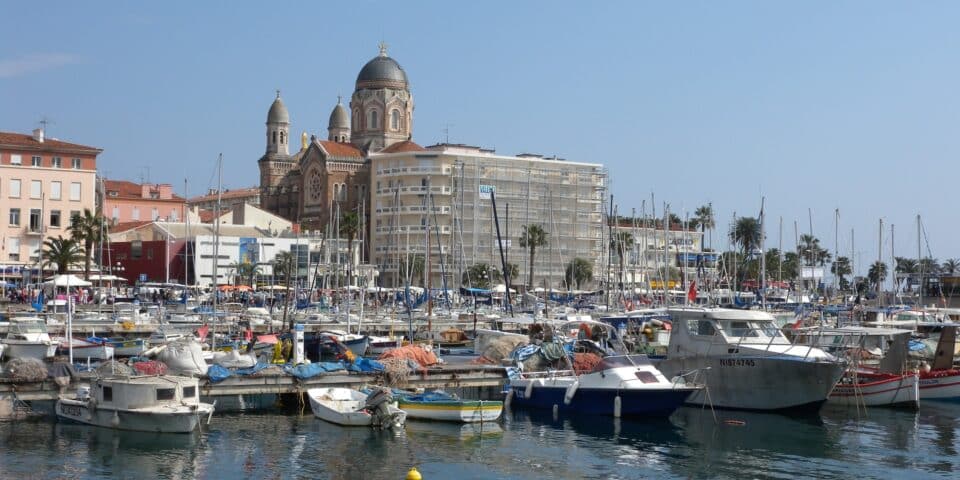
[763,256]
[216,245]
[836,244]
[879,262]
[919,264]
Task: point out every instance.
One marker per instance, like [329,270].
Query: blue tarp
[311,370]
[217,374]
[363,364]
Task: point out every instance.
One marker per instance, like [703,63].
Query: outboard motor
[378,402]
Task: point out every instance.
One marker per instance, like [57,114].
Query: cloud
[35,62]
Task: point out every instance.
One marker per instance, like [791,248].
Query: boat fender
[529,390]
[507,401]
[115,421]
[571,391]
[616,406]
[556,411]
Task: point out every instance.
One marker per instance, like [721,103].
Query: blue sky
[814,105]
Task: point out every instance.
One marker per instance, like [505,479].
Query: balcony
[413,190]
[414,209]
[419,171]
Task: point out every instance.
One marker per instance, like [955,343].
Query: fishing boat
[442,406]
[87,349]
[877,389]
[620,385]
[349,407]
[27,337]
[746,361]
[163,403]
[123,347]
[332,342]
[941,381]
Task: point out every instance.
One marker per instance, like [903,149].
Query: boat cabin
[31,329]
[129,393]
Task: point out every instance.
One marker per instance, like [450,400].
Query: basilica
[324,176]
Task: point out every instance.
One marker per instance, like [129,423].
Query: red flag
[202,332]
[692,293]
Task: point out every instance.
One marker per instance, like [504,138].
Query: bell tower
[382,106]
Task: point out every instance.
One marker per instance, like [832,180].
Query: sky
[812,106]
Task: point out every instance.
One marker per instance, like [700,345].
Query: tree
[283,265]
[479,275]
[247,272]
[950,266]
[86,228]
[533,237]
[578,272]
[905,265]
[62,252]
[416,267]
[746,234]
[811,251]
[621,243]
[929,266]
[841,267]
[703,217]
[791,266]
[877,273]
[513,271]
[349,227]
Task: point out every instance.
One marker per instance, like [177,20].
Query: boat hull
[547,393]
[465,411]
[28,349]
[179,420]
[757,382]
[329,405]
[940,385]
[878,391]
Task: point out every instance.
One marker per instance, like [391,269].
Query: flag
[202,332]
[38,305]
[692,293]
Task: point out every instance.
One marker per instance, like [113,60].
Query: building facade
[43,183]
[228,199]
[132,202]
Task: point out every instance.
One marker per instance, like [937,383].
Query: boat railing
[549,374]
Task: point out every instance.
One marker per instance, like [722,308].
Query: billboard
[811,273]
[249,251]
[486,191]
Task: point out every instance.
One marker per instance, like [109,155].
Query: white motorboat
[163,403]
[349,407]
[85,349]
[27,337]
[746,361]
[620,385]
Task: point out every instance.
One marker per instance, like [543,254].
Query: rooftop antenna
[446,133]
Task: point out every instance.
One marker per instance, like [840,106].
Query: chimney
[38,134]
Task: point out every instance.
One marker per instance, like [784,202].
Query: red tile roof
[124,226]
[228,194]
[128,190]
[207,216]
[20,140]
[404,146]
[336,149]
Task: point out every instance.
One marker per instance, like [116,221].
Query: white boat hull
[327,404]
[944,387]
[183,419]
[27,349]
[898,391]
[466,411]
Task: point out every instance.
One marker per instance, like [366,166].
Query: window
[166,393]
[107,394]
[15,217]
[395,120]
[74,214]
[57,162]
[75,191]
[36,220]
[15,160]
[136,249]
[55,190]
[155,214]
[149,254]
[283,138]
[135,215]
[36,189]
[14,188]
[33,248]
[189,392]
[274,136]
[55,218]
[13,246]
[35,161]
[701,327]
[116,214]
[173,215]
[373,120]
[75,163]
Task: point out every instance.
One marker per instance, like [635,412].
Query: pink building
[43,182]
[133,202]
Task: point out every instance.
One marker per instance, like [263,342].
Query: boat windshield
[29,327]
[753,329]
[617,361]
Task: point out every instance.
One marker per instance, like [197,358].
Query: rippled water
[524,445]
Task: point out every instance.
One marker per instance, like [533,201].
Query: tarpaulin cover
[311,370]
[217,374]
[365,365]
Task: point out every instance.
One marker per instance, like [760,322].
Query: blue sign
[298,327]
[143,277]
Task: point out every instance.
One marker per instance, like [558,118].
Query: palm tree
[416,268]
[247,271]
[86,228]
[350,226]
[621,243]
[950,266]
[811,251]
[877,273]
[579,271]
[840,268]
[703,217]
[930,266]
[63,252]
[746,233]
[533,237]
[283,265]
[905,265]
[479,275]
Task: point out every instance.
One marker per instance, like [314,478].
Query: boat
[123,347]
[746,361]
[941,381]
[378,345]
[349,407]
[162,403]
[87,349]
[877,389]
[619,385]
[27,337]
[442,406]
[331,341]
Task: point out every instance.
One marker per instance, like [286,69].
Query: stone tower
[276,162]
[338,127]
[382,105]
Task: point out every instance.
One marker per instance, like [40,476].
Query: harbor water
[692,443]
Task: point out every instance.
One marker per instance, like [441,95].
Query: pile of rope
[418,353]
[396,371]
[26,370]
[499,348]
[585,362]
[113,367]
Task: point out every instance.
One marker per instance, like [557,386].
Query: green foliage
[578,272]
[87,229]
[62,252]
[532,238]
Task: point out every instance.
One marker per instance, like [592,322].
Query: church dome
[339,118]
[382,71]
[278,112]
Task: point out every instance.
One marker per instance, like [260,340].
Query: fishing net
[26,370]
[501,347]
[585,362]
[396,371]
[151,367]
[113,367]
[417,353]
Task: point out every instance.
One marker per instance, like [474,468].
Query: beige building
[43,183]
[446,189]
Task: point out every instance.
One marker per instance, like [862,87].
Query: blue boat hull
[600,401]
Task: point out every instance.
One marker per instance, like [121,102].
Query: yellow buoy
[413,474]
